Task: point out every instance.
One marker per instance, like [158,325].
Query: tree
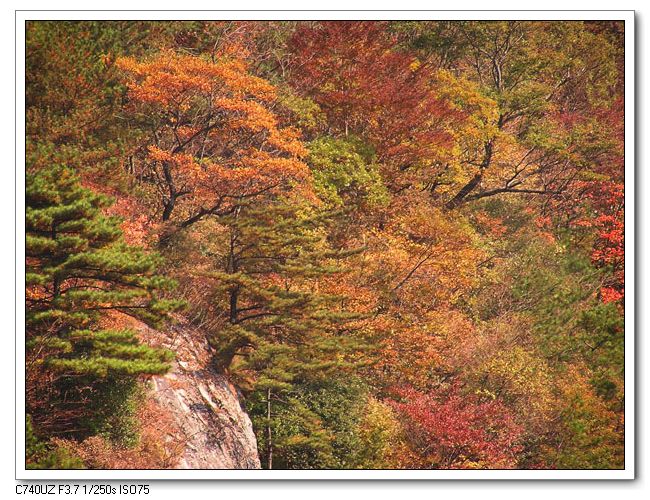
[274,257]
[77,268]
[213,140]
[41,456]
[609,246]
[345,173]
[404,241]
[548,80]
[367,88]
[71,85]
[283,329]
[73,94]
[454,430]
[588,434]
[329,421]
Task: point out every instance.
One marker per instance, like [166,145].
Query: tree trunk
[169,208]
[457,200]
[169,180]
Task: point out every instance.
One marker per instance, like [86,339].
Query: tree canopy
[403,241]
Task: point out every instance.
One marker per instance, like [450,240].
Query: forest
[402,242]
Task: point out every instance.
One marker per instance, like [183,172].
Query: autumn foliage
[454,430]
[365,87]
[213,137]
[404,242]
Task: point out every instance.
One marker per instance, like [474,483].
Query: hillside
[325,245]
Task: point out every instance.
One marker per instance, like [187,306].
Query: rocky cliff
[204,405]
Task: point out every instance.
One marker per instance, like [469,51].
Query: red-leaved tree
[367,87]
[451,430]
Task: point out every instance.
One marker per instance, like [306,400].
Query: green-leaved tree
[77,267]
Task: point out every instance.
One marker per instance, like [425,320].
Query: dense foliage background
[403,240]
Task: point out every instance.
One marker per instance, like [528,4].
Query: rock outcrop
[204,405]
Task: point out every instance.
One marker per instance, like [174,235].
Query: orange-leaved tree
[213,139]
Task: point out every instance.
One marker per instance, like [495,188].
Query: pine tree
[282,374]
[282,330]
[77,266]
[269,276]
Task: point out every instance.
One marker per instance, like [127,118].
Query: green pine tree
[282,332]
[77,266]
[276,253]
